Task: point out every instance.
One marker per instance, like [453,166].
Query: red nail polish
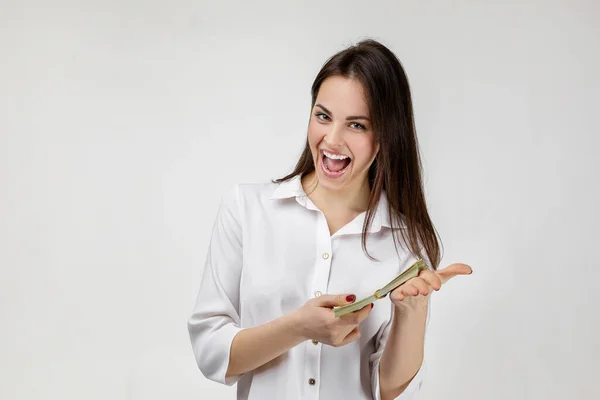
[350,298]
[372,304]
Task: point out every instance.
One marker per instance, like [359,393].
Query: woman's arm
[403,353]
[215,319]
[254,347]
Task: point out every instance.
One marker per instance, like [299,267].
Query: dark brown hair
[397,167]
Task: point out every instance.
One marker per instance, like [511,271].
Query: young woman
[348,219]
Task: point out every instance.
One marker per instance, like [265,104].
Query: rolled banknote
[409,273]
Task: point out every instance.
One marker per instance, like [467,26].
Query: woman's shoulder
[256,189]
[250,191]
[261,194]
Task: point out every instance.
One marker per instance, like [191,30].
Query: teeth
[334,156]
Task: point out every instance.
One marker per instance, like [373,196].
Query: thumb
[335,300]
[452,270]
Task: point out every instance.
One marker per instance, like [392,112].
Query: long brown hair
[397,167]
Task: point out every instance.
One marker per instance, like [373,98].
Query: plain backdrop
[122,123]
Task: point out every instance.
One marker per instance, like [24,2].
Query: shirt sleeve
[215,319]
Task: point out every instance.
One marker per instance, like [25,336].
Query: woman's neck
[351,199]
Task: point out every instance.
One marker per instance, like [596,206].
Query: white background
[122,123]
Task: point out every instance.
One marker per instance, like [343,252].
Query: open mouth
[334,165]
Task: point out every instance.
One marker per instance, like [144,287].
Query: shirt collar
[293,189]
[289,189]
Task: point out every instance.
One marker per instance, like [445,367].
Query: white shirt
[270,252]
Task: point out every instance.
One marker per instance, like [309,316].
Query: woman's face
[340,136]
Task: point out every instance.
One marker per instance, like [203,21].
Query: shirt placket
[319,285]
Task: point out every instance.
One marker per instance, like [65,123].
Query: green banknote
[381,293]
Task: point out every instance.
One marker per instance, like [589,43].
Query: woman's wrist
[294,323]
[411,306]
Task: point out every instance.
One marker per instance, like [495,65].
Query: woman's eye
[322,116]
[356,125]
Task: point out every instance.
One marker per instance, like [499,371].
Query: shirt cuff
[411,391]
[213,359]
[224,339]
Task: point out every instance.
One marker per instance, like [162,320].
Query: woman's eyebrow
[352,117]
[349,118]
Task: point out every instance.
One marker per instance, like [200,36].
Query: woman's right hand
[317,321]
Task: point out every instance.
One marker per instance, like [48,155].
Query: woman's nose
[335,136]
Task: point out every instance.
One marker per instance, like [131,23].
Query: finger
[432,279]
[423,287]
[408,289]
[331,300]
[356,317]
[349,319]
[397,295]
[364,312]
[451,271]
[351,337]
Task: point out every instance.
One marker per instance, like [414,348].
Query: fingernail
[350,298]
[372,304]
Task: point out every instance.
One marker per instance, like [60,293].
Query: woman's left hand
[416,290]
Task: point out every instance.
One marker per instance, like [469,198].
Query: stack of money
[381,293]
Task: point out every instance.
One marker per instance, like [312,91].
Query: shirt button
[325,256]
[315,342]
[317,293]
[311,381]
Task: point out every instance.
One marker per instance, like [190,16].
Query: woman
[347,220]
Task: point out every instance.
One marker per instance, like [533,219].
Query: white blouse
[269,253]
